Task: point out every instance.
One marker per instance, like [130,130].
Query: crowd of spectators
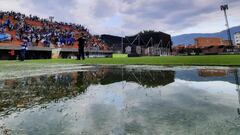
[46,32]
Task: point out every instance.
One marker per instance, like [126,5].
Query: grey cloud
[136,15]
[179,14]
[168,11]
[60,9]
[103,9]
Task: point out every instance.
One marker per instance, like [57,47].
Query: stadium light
[122,41]
[51,18]
[224,8]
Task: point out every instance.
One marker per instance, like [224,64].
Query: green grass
[120,55]
[215,60]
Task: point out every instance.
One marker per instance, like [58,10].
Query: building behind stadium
[147,43]
[207,46]
[237,38]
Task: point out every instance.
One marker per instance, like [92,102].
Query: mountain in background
[111,39]
[188,39]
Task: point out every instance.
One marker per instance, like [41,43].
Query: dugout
[31,54]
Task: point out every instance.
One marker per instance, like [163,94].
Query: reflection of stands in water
[27,92]
[212,72]
[144,78]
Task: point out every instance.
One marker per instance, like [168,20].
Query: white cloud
[132,16]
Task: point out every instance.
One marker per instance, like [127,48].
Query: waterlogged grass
[215,60]
[220,60]
[19,70]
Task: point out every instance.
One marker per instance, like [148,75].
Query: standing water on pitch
[123,100]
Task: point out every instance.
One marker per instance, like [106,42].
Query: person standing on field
[81,44]
[23,51]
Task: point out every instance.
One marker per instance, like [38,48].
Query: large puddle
[123,101]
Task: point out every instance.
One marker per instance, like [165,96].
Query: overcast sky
[126,17]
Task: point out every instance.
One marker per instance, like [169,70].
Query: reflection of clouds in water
[116,115]
[211,86]
[113,94]
[179,107]
[36,122]
[1,84]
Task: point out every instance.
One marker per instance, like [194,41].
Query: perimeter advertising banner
[56,53]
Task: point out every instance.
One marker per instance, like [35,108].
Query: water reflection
[204,75]
[16,94]
[236,74]
[212,72]
[119,101]
[223,73]
[146,78]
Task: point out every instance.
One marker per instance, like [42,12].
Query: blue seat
[5,37]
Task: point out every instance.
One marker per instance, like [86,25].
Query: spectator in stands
[1,15]
[38,30]
[37,41]
[46,43]
[2,30]
[11,38]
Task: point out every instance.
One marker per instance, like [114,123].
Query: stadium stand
[43,33]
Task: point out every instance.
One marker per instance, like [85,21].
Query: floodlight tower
[122,42]
[51,18]
[225,8]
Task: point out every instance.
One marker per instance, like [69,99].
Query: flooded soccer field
[122,100]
